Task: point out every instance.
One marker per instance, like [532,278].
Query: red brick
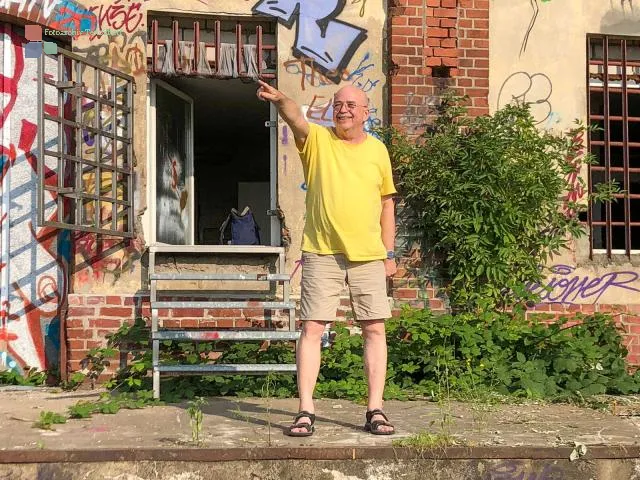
[450,62]
[480,13]
[433,3]
[131,301]
[114,300]
[187,312]
[450,3]
[446,12]
[399,20]
[74,323]
[94,300]
[408,31]
[76,344]
[116,311]
[189,323]
[242,323]
[449,43]
[224,312]
[437,32]
[167,323]
[76,300]
[81,311]
[406,293]
[105,323]
[482,63]
[436,304]
[79,333]
[95,344]
[433,62]
[446,52]
[478,23]
[225,323]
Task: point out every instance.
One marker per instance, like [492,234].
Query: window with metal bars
[86,176]
[614,108]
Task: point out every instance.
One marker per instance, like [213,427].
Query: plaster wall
[539,55]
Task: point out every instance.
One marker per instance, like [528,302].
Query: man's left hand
[390,267]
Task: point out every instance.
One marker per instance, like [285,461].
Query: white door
[172,152]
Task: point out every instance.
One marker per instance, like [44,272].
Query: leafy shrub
[486,198]
[472,354]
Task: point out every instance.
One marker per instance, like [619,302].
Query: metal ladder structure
[244,334]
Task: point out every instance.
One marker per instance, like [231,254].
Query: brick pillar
[435,44]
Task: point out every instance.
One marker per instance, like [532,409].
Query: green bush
[486,198]
[473,355]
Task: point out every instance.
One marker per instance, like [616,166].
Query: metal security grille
[85,176]
[614,107]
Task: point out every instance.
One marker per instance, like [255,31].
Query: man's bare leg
[375,364]
[308,365]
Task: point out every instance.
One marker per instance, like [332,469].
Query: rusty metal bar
[239,48]
[176,30]
[78,178]
[154,42]
[61,143]
[196,46]
[259,48]
[625,150]
[589,183]
[607,141]
[217,46]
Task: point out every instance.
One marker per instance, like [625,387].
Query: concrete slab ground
[535,440]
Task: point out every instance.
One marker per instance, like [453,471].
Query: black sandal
[374,427]
[307,426]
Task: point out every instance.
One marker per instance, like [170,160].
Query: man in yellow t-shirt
[348,238]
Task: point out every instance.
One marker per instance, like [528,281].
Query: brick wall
[435,44]
[92,317]
[627,317]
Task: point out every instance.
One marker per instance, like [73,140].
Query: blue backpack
[244,229]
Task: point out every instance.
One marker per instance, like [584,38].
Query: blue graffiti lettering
[562,287]
[329,42]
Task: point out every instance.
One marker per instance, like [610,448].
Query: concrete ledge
[311,453]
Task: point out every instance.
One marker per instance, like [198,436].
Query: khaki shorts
[324,278]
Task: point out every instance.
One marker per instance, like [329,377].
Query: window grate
[211,48]
[89,171]
[613,83]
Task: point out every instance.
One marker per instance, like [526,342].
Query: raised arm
[288,109]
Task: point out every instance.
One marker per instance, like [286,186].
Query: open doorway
[214,143]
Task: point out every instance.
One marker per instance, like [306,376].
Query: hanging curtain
[203,63]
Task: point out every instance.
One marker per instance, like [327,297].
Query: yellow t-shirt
[345,183]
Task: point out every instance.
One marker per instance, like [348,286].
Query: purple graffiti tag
[299,263]
[519,470]
[285,135]
[329,42]
[284,161]
[564,287]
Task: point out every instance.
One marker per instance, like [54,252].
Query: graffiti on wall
[532,23]
[123,52]
[34,269]
[534,89]
[57,14]
[361,77]
[172,196]
[330,42]
[564,286]
[124,15]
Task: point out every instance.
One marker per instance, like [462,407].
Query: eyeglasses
[337,106]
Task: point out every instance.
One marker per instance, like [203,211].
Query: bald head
[350,112]
[352,93]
